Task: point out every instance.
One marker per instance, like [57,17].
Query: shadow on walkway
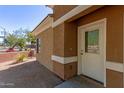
[28,75]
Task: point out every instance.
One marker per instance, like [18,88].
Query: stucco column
[65,50]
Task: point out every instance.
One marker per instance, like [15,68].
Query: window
[92,41]
[38,45]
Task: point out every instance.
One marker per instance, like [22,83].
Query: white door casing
[93,64]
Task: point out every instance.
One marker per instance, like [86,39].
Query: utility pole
[4,34]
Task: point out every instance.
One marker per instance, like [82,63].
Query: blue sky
[20,16]
[13,17]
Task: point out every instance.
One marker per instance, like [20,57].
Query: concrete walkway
[31,74]
[27,75]
[80,82]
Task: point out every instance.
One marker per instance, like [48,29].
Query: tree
[31,38]
[11,40]
[21,43]
[19,38]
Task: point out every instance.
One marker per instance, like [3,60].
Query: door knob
[81,52]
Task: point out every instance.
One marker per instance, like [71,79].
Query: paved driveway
[27,75]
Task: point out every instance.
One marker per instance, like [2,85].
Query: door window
[92,41]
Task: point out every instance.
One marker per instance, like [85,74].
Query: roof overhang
[45,24]
[85,12]
[51,6]
[74,13]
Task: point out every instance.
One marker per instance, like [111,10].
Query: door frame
[104,21]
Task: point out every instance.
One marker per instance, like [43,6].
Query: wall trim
[64,60]
[114,66]
[70,14]
[92,23]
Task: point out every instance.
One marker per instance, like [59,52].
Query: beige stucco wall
[46,48]
[65,45]
[58,40]
[65,39]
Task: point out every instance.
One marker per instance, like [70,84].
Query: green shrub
[21,57]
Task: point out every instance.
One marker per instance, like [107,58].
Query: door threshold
[91,80]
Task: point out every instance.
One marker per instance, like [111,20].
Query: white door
[92,43]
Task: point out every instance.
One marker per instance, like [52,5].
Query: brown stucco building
[83,39]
